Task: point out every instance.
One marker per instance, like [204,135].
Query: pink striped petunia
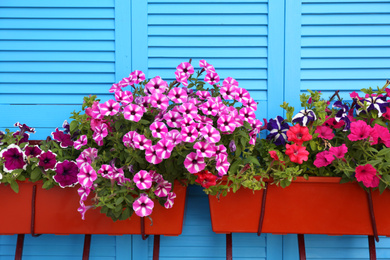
[141,142]
[173,119]
[86,176]
[143,206]
[159,101]
[211,77]
[159,129]
[194,163]
[189,134]
[100,132]
[151,155]
[124,97]
[163,189]
[156,85]
[80,142]
[164,148]
[211,134]
[109,108]
[143,180]
[133,112]
[170,200]
[178,95]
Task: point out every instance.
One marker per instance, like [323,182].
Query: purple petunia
[47,160]
[64,139]
[66,174]
[14,158]
[304,117]
[277,130]
[32,151]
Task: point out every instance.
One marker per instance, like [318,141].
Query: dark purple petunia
[14,158]
[33,151]
[25,128]
[277,130]
[64,139]
[24,138]
[377,103]
[66,126]
[66,174]
[47,160]
[342,114]
[304,116]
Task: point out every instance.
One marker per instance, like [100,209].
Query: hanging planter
[16,209]
[320,205]
[56,213]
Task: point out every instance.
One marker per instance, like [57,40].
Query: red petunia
[297,154]
[206,179]
[298,134]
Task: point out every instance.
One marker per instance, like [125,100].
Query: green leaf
[252,160]
[47,185]
[73,125]
[14,186]
[384,151]
[35,174]
[119,200]
[125,214]
[382,186]
[247,125]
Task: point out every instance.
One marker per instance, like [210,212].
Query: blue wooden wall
[52,53]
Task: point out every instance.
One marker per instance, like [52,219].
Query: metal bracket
[262,212]
[156,247]
[229,247]
[144,237]
[87,246]
[19,247]
[371,247]
[372,215]
[301,246]
[34,195]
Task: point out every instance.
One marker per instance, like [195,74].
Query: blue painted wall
[52,53]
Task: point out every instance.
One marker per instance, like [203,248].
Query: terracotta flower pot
[320,205]
[56,213]
[15,217]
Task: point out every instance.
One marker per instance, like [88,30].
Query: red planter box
[320,205]
[15,216]
[56,213]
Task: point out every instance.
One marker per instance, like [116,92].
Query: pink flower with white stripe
[143,206]
[211,134]
[159,129]
[205,120]
[178,95]
[230,81]
[185,68]
[163,189]
[226,123]
[133,112]
[100,132]
[151,155]
[83,193]
[183,79]
[136,76]
[194,163]
[188,134]
[160,101]
[143,180]
[205,149]
[209,108]
[124,97]
[222,165]
[253,136]
[86,176]
[80,142]
[242,95]
[106,171]
[128,139]
[174,136]
[228,92]
[141,142]
[170,200]
[125,82]
[247,114]
[198,126]
[203,94]
[173,119]
[208,67]
[187,121]
[252,104]
[220,150]
[164,148]
[188,109]
[83,159]
[109,108]
[114,88]
[156,85]
[156,177]
[211,78]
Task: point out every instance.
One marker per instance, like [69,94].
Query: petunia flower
[114,88]
[188,134]
[32,151]
[137,76]
[164,148]
[211,77]
[83,193]
[226,123]
[222,165]
[247,114]
[342,114]
[80,142]
[204,149]
[206,66]
[143,180]
[159,101]
[211,134]
[194,163]
[220,150]
[100,132]
[181,78]
[151,155]
[14,158]
[228,91]
[304,117]
[124,97]
[232,146]
[107,171]
[47,160]
[109,108]
[66,174]
[278,130]
[173,119]
[174,136]
[209,108]
[298,134]
[206,179]
[156,85]
[359,131]
[331,122]
[377,103]
[141,142]
[62,138]
[188,109]
[128,139]
[203,94]
[170,200]
[297,154]
[323,159]
[178,95]
[83,209]
[185,69]
[163,189]
[339,151]
[324,132]
[143,206]
[242,95]
[380,132]
[159,129]
[86,176]
[367,175]
[133,112]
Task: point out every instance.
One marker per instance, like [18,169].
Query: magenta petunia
[220,150]
[174,136]
[133,112]
[143,206]
[222,165]
[86,176]
[163,189]
[109,108]
[205,149]
[181,78]
[367,175]
[159,101]
[107,171]
[156,85]
[170,200]
[226,123]
[66,174]
[185,68]
[128,139]
[359,131]
[205,120]
[228,92]
[125,82]
[247,114]
[173,119]
[156,177]
[242,95]
[14,158]
[143,180]
[83,193]
[339,151]
[141,142]
[151,155]
[324,132]
[323,159]
[203,94]
[32,151]
[164,148]
[80,142]
[209,108]
[136,76]
[252,104]
[189,134]
[47,160]
[178,95]
[194,162]
[83,209]
[100,132]
[211,134]
[211,77]
[188,109]
[62,138]
[159,129]
[206,66]
[124,97]
[83,159]
[187,121]
[114,88]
